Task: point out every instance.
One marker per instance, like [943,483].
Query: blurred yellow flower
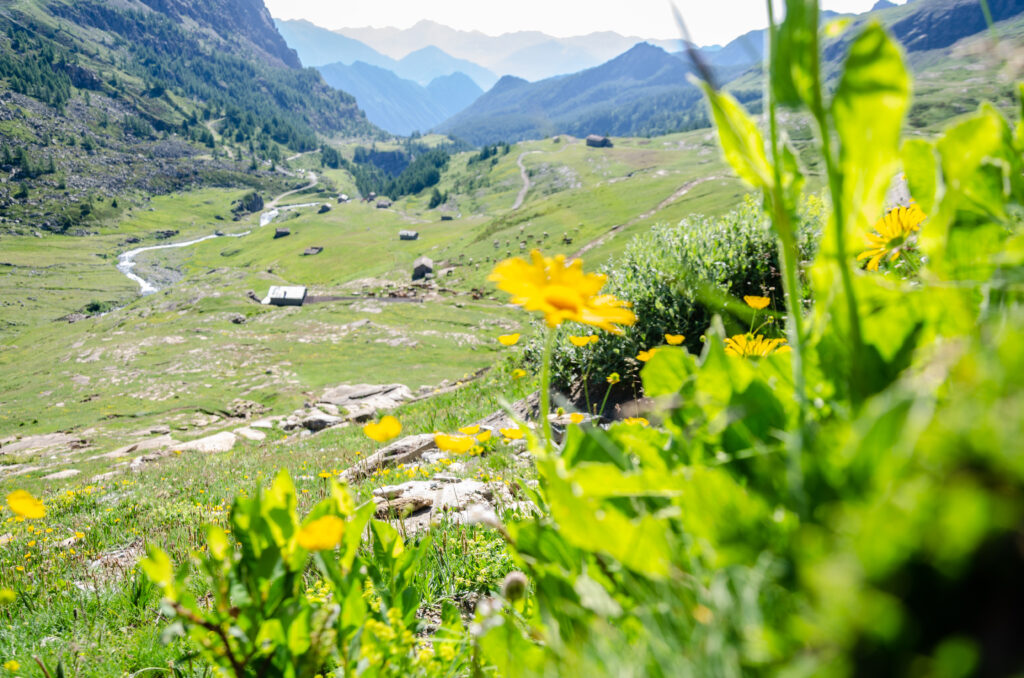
[325,474]
[484,435]
[747,345]
[613,378]
[674,339]
[576,417]
[322,534]
[470,430]
[636,420]
[644,356]
[7,596]
[508,339]
[518,374]
[561,292]
[891,234]
[583,341]
[459,444]
[757,302]
[12,665]
[511,433]
[79,535]
[25,505]
[384,430]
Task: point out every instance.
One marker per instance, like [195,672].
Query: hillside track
[614,230]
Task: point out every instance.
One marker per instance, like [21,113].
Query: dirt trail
[526,180]
[313,181]
[611,233]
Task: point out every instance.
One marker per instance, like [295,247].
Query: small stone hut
[422,267]
[282,295]
[598,141]
[281,232]
[408,235]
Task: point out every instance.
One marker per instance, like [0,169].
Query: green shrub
[674,276]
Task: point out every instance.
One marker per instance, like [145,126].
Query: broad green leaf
[868,109]
[794,56]
[741,141]
[298,633]
[159,569]
[218,542]
[921,169]
[667,372]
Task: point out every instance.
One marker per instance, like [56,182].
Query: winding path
[526,180]
[614,230]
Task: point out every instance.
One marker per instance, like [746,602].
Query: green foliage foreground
[851,507]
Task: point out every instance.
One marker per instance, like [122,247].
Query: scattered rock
[219,442]
[312,420]
[245,409]
[63,475]
[401,451]
[163,442]
[250,434]
[363,401]
[269,422]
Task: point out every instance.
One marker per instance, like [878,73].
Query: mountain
[318,46]
[398,105]
[643,91]
[528,54]
[102,99]
[431,62]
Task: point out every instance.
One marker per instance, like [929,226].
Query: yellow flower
[674,339]
[644,356]
[12,665]
[25,505]
[757,302]
[7,596]
[583,341]
[511,433]
[470,430]
[747,345]
[484,435]
[891,235]
[79,535]
[518,374]
[383,431]
[576,417]
[613,378]
[459,444]
[561,292]
[636,420]
[325,474]
[508,339]
[322,534]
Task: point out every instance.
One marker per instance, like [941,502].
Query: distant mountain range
[398,105]
[526,54]
[318,46]
[643,91]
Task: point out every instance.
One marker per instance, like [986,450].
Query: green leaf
[741,141]
[159,569]
[299,640]
[921,168]
[868,109]
[794,56]
[217,540]
[668,371]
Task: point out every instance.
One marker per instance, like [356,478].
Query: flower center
[563,298]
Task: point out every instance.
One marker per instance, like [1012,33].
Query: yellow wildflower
[613,378]
[383,431]
[757,302]
[561,292]
[79,535]
[511,433]
[747,345]
[583,341]
[674,339]
[484,436]
[509,339]
[25,505]
[470,430]
[322,534]
[518,374]
[644,356]
[891,235]
[576,417]
[636,420]
[12,665]
[459,444]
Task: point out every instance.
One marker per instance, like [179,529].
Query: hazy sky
[710,21]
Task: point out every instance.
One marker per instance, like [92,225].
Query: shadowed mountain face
[398,105]
[643,90]
[232,18]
